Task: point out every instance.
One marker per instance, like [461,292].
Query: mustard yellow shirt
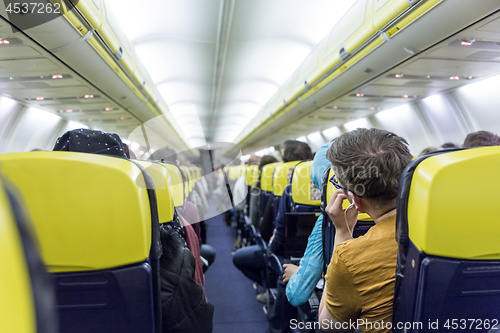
[361,275]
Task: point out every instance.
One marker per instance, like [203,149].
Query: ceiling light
[468,41]
[335,107]
[454,78]
[90,120]
[316,116]
[3,41]
[40,98]
[371,109]
[398,76]
[109,109]
[122,118]
[89,96]
[360,95]
[405,96]
[69,111]
[57,76]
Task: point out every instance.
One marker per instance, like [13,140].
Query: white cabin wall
[23,128]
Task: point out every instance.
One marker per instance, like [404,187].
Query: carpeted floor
[232,294]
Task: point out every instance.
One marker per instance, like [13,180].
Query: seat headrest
[266,176]
[16,304]
[304,192]
[88,210]
[281,176]
[187,180]
[176,184]
[442,218]
[329,193]
[160,175]
[252,174]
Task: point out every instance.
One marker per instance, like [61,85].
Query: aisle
[232,294]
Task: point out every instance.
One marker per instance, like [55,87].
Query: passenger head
[165,154]
[254,159]
[294,150]
[267,159]
[428,150]
[130,154]
[370,162]
[91,141]
[448,145]
[481,139]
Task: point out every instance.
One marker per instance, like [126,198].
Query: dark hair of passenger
[91,141]
[428,150]
[481,139]
[370,162]
[449,145]
[267,159]
[164,154]
[294,150]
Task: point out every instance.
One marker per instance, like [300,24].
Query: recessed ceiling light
[316,116]
[89,96]
[109,109]
[371,109]
[69,111]
[398,76]
[40,98]
[454,78]
[468,41]
[57,76]
[335,107]
[122,118]
[360,95]
[90,120]
[405,96]
[4,41]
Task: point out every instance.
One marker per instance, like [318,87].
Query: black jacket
[185,308]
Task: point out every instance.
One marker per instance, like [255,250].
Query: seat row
[96,221]
[447,230]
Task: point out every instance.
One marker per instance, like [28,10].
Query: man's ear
[357,201]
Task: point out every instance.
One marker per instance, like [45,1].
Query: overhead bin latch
[119,53]
[343,54]
[306,84]
[408,49]
[412,2]
[73,43]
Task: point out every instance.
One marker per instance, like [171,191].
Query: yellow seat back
[164,198]
[266,176]
[304,191]
[329,192]
[443,219]
[187,180]
[281,176]
[176,183]
[17,309]
[252,174]
[89,211]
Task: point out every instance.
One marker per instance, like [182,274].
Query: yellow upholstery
[252,174]
[329,192]
[266,176]
[164,198]
[443,218]
[175,183]
[280,177]
[17,310]
[233,172]
[304,192]
[89,211]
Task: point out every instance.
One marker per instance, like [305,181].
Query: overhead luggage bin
[449,252]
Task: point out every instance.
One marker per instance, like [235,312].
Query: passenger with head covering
[481,139]
[91,141]
[301,280]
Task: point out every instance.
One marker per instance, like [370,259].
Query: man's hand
[344,220]
[289,269]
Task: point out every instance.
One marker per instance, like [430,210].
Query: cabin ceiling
[225,57]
